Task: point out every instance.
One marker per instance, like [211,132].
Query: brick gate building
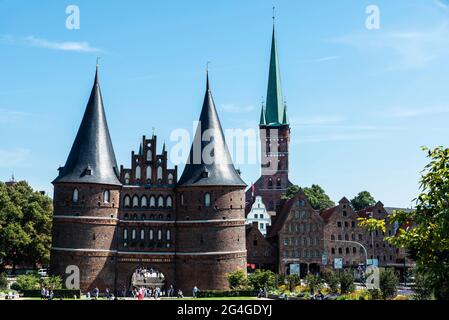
[110,221]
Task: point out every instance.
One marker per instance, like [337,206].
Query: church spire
[274,110]
[92,158]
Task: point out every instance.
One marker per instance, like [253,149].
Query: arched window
[182,199]
[143,202]
[168,235]
[159,234]
[138,173]
[149,173]
[160,202]
[142,234]
[207,199]
[106,196]
[126,217]
[278,183]
[126,178]
[135,202]
[170,178]
[125,234]
[127,202]
[159,174]
[75,196]
[270,183]
[133,234]
[149,155]
[151,235]
[152,202]
[169,202]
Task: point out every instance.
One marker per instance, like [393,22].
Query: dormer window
[88,171]
[205,174]
[75,196]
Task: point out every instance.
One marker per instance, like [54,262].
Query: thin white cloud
[417,112]
[409,49]
[14,157]
[9,116]
[83,47]
[232,108]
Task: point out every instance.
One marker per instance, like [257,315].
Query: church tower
[210,218]
[86,201]
[274,132]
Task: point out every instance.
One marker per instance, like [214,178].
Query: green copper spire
[274,110]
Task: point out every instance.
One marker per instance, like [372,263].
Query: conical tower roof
[209,162]
[92,158]
[274,110]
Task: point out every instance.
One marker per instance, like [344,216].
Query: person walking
[96,293]
[43,291]
[195,291]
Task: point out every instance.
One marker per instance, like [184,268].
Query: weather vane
[98,60]
[274,13]
[207,66]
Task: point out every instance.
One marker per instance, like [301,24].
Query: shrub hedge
[65,294]
[220,294]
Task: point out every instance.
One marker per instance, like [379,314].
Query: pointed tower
[86,201]
[274,140]
[210,217]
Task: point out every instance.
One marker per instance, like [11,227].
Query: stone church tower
[86,202]
[210,218]
[274,132]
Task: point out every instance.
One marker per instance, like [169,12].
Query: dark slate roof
[92,158]
[219,169]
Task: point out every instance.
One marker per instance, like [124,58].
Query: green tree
[237,279]
[388,283]
[331,279]
[25,225]
[263,279]
[315,194]
[425,230]
[346,279]
[3,281]
[363,200]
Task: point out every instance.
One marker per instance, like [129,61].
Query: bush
[52,283]
[58,294]
[346,279]
[331,279]
[3,281]
[293,281]
[263,280]
[26,282]
[375,294]
[314,283]
[238,280]
[388,283]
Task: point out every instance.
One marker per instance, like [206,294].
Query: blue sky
[361,102]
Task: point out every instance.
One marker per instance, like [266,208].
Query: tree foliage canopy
[425,231]
[25,225]
[317,196]
[363,200]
